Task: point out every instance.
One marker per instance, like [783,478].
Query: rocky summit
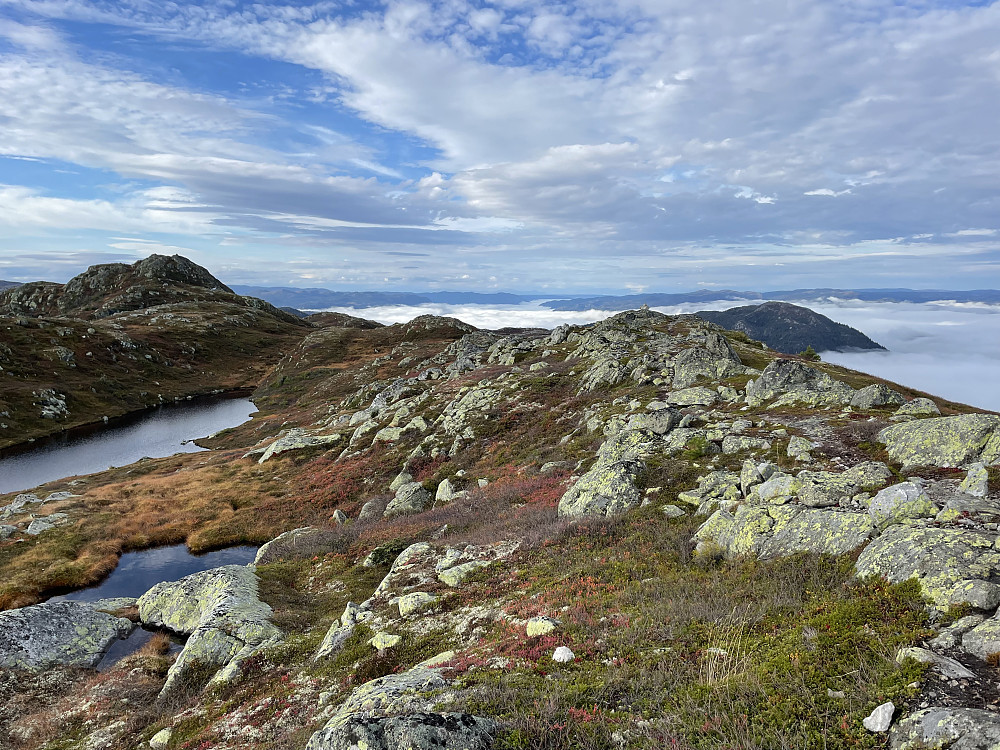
[647,532]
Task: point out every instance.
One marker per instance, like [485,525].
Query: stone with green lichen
[792,382]
[220,609]
[542,625]
[696,396]
[383,640]
[798,448]
[161,739]
[455,575]
[410,498]
[937,558]
[739,443]
[717,486]
[58,634]
[297,439]
[608,489]
[945,441]
[877,394]
[918,407]
[774,531]
[940,728]
[900,502]
[825,488]
[976,481]
[418,601]
[418,731]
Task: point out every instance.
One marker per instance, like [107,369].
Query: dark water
[160,432]
[137,572]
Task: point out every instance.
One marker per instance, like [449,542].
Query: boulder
[918,407]
[418,601]
[938,728]
[220,612]
[740,443]
[541,625]
[947,667]
[875,395]
[455,575]
[696,396]
[420,731]
[940,559]
[392,694]
[58,634]
[798,448]
[307,541]
[656,421]
[793,382]
[410,498]
[945,441]
[605,490]
[767,531]
[879,720]
[715,360]
[976,482]
[297,439]
[900,502]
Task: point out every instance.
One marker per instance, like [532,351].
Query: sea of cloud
[951,350]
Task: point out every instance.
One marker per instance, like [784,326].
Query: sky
[950,350]
[593,146]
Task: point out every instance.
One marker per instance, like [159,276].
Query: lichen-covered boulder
[793,382]
[608,489]
[715,359]
[696,396]
[455,575]
[58,634]
[421,731]
[307,541]
[875,395]
[977,481]
[393,694]
[220,610]
[767,531]
[297,439]
[941,560]
[945,441]
[798,448]
[900,502]
[410,498]
[918,407]
[938,728]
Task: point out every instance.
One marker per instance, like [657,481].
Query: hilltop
[790,328]
[646,532]
[119,338]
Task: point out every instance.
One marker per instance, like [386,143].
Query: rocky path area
[640,533]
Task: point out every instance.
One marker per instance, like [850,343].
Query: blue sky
[591,146]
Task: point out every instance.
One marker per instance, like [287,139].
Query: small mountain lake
[137,572]
[162,431]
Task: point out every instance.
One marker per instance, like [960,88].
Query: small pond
[163,431]
[137,572]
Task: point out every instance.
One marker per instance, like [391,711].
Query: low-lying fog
[949,350]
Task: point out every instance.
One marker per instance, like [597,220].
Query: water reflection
[161,432]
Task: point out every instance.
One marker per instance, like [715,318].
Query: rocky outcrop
[297,543]
[945,441]
[410,498]
[940,728]
[294,440]
[58,634]
[791,382]
[876,395]
[220,612]
[775,531]
[951,565]
[422,731]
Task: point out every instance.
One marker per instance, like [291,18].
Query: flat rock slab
[943,561]
[58,634]
[420,731]
[953,728]
[945,441]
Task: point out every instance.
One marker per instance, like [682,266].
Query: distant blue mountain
[317,299]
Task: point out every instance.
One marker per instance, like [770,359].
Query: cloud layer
[587,145]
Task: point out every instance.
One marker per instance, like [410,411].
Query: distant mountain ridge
[317,298]
[790,328]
